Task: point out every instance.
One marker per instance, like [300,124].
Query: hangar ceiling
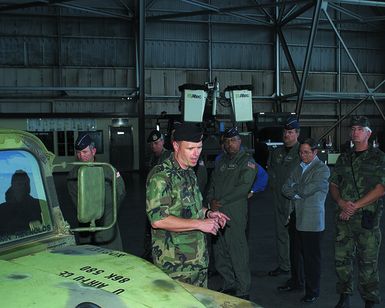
[282,18]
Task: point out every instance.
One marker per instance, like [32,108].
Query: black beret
[154,136]
[291,123]
[231,132]
[83,141]
[188,131]
[359,121]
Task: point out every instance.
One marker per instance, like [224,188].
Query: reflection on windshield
[23,208]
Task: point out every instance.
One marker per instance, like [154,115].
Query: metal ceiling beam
[141,73]
[12,7]
[312,96]
[216,10]
[345,11]
[123,3]
[297,13]
[65,5]
[360,2]
[330,96]
[32,89]
[309,51]
[356,17]
[346,49]
[289,58]
[277,60]
[378,107]
[94,11]
[209,9]
[289,12]
[60,115]
[343,118]
[279,11]
[264,11]
[150,3]
[379,86]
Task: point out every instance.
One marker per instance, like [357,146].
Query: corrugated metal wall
[58,47]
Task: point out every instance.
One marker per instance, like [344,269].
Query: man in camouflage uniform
[174,208]
[282,161]
[199,169]
[158,152]
[158,155]
[357,185]
[228,191]
[86,152]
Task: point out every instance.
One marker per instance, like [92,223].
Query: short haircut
[92,145]
[297,130]
[311,143]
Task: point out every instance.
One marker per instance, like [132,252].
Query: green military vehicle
[40,264]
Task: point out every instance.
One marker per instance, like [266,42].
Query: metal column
[277,61]
[140,68]
[313,32]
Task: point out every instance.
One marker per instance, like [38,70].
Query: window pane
[23,202]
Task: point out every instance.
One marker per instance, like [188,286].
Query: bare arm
[211,225]
[373,195]
[348,208]
[177,224]
[335,193]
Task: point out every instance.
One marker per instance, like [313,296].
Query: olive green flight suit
[281,163]
[156,160]
[201,173]
[107,238]
[230,184]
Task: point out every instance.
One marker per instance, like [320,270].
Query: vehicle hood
[70,276]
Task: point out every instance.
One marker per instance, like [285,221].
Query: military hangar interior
[115,68]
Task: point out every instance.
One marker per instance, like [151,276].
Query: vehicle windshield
[23,202]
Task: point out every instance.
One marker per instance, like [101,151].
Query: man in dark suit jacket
[307,187]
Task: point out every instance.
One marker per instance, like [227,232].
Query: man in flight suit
[230,185]
[158,152]
[282,161]
[86,152]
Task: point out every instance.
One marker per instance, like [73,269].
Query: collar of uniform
[176,164]
[305,166]
[369,149]
[241,152]
[294,151]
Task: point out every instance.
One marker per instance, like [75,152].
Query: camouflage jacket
[174,191]
[356,175]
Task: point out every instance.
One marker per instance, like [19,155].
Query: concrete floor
[261,242]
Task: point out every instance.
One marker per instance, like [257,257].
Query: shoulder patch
[251,165]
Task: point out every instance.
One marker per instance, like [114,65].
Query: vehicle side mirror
[91,194]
